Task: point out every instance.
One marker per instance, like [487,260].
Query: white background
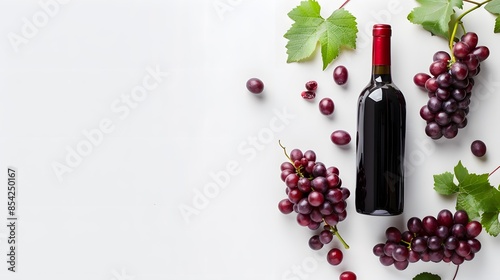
[115,213]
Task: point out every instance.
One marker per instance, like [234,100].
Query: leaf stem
[342,6]
[456,272]
[459,22]
[498,167]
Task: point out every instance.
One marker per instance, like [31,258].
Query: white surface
[116,214]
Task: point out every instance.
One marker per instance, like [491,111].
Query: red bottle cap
[382,44]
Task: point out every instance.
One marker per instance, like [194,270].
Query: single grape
[319,184]
[326,208]
[444,80]
[461,217]
[420,79]
[463,248]
[319,170]
[458,230]
[310,155]
[326,106]
[386,260]
[438,67]
[481,52]
[450,106]
[340,75]
[400,253]
[303,219]
[434,243]
[333,180]
[304,185]
[458,94]
[442,118]
[285,206]
[315,198]
[292,180]
[340,137]
[401,265]
[414,225]
[295,195]
[472,62]
[378,250]
[470,38]
[431,85]
[478,148]
[255,85]
[433,130]
[458,117]
[325,236]
[418,244]
[429,224]
[441,55]
[393,234]
[296,154]
[442,94]
[473,229]
[303,206]
[461,50]
[315,243]
[334,256]
[442,232]
[347,275]
[450,131]
[311,85]
[434,104]
[332,219]
[315,215]
[445,218]
[450,243]
[475,245]
[459,70]
[426,114]
[308,94]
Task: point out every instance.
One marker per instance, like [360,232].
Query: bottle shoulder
[383,90]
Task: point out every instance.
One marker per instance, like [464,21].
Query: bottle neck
[381,59]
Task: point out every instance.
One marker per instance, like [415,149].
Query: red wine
[380,140]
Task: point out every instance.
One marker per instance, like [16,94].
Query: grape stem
[456,272]
[335,231]
[345,3]
[459,22]
[297,169]
[494,171]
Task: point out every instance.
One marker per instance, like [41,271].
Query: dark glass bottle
[380,139]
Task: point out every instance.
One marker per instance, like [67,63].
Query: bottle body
[380,141]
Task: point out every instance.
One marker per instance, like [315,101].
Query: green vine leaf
[426,276]
[338,31]
[494,8]
[475,195]
[435,16]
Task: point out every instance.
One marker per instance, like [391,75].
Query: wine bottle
[380,140]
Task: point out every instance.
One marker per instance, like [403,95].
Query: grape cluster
[315,193]
[450,86]
[447,237]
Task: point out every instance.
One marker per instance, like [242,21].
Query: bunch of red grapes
[447,237]
[450,86]
[315,193]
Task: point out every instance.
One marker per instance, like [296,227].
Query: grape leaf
[338,31]
[490,220]
[444,184]
[494,8]
[435,15]
[475,195]
[426,276]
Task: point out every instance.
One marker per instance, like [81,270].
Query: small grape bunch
[450,86]
[447,237]
[315,193]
